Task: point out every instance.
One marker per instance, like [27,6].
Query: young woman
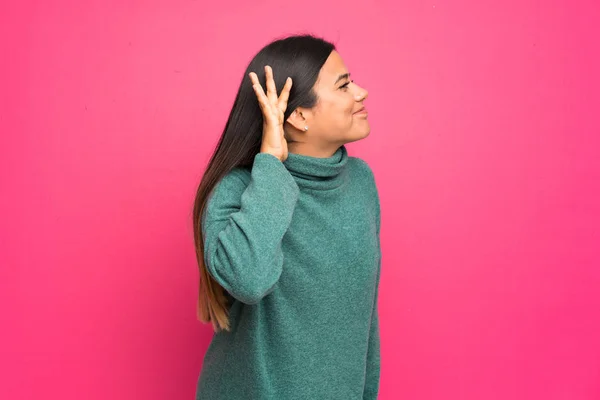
[286,228]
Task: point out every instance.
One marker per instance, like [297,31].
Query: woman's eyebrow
[343,76]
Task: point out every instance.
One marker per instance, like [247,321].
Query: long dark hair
[299,57]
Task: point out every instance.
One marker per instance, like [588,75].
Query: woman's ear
[297,120]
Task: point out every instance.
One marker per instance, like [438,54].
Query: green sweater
[296,246]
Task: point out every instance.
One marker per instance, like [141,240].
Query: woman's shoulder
[361,169]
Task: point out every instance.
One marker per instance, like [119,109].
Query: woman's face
[339,115]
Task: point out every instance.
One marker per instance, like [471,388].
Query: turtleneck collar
[317,172]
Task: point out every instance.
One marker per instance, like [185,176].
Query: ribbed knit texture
[296,245]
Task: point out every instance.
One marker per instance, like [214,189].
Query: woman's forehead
[333,70]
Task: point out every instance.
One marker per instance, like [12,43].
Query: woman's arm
[244,226]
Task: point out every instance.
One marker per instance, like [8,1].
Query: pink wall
[484,143]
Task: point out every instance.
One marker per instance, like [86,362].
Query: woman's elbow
[248,283]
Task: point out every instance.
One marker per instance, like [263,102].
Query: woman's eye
[345,85]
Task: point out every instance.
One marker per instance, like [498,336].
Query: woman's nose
[361,94]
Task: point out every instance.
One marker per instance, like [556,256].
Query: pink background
[485,142]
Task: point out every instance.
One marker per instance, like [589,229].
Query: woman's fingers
[254,78]
[269,102]
[271,89]
[285,95]
[263,102]
[258,90]
[262,99]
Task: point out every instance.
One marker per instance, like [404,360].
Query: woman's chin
[363,133]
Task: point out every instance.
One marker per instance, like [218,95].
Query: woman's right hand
[273,108]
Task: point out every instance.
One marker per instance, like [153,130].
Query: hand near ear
[273,108]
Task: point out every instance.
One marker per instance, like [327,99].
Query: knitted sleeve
[243,227]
